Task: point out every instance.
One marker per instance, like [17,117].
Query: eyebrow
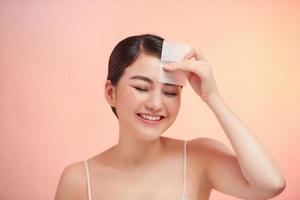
[143,78]
[146,79]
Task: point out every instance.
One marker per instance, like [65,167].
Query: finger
[189,75]
[194,53]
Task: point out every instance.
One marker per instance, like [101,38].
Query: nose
[154,101]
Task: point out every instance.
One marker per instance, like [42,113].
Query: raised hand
[199,73]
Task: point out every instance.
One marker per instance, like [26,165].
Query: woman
[144,165]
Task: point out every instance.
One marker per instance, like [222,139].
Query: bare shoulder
[72,182]
[208,151]
[202,147]
[208,146]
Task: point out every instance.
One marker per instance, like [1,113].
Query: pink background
[53,64]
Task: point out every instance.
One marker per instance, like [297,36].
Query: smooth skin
[143,156]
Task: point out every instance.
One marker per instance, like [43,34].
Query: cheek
[129,99]
[173,104]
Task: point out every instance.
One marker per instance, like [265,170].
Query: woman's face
[145,106]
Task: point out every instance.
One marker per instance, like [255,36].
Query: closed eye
[145,90]
[140,89]
[171,94]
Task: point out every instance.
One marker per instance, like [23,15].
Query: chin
[150,135]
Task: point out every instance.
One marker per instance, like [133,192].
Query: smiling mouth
[150,118]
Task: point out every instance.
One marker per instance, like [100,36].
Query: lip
[151,122]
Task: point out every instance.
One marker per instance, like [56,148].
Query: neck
[132,151]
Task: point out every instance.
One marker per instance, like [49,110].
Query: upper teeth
[151,117]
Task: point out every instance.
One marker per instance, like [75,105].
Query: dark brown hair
[126,53]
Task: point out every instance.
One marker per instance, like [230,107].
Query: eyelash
[145,90]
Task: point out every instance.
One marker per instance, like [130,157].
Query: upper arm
[223,171]
[71,183]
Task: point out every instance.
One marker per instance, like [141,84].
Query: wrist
[213,100]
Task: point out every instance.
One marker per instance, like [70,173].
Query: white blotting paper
[173,52]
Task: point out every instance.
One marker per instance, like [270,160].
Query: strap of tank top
[184,168]
[88,179]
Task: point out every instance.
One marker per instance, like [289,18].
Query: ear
[110,93]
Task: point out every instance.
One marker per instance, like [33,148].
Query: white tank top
[184,175]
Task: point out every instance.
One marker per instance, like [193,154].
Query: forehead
[145,65]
